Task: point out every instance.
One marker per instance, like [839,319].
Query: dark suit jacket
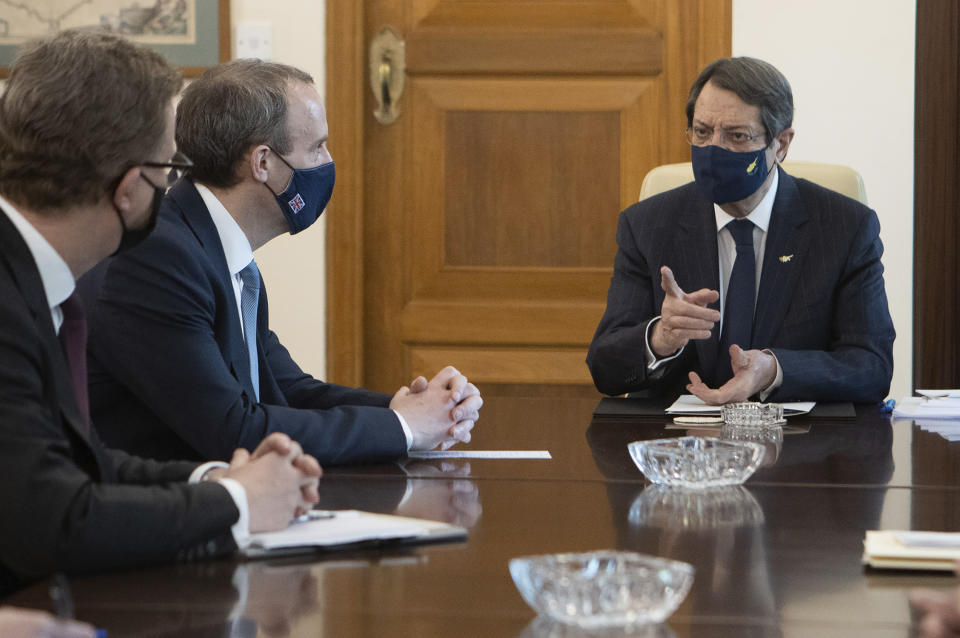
[169,373]
[821,307]
[68,503]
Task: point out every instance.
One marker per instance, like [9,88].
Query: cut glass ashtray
[697,462]
[603,588]
[752,414]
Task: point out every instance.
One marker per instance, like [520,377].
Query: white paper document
[911,550]
[480,454]
[689,404]
[945,407]
[333,528]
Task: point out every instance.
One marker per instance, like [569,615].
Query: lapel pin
[785,258]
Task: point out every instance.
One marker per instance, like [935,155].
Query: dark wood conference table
[779,556]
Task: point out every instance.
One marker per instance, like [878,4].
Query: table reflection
[542,627]
[222,598]
[692,509]
[437,490]
[859,453]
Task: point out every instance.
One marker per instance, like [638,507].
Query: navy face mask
[727,176]
[306,195]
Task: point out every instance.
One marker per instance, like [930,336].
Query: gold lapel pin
[785,258]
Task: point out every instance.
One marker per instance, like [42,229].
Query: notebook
[329,530]
[911,550]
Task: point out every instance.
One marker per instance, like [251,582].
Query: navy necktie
[738,307]
[249,298]
[73,338]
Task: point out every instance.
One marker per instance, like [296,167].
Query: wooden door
[479,228]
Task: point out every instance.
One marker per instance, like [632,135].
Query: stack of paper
[945,407]
[911,550]
[333,529]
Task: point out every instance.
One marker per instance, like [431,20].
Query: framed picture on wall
[193,34]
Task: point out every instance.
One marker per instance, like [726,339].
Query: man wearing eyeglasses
[747,283]
[86,130]
[183,360]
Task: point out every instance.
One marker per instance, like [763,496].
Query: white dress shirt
[58,284]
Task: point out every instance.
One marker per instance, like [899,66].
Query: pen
[886,407]
[315,515]
[63,601]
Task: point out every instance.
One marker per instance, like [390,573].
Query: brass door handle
[387,70]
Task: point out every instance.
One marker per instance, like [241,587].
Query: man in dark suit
[183,360]
[769,286]
[86,133]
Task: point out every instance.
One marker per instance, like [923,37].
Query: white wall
[851,67]
[293,267]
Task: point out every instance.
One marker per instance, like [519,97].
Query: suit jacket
[69,504]
[821,307]
[168,365]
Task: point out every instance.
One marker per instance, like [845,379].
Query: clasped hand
[440,412]
[685,316]
[280,481]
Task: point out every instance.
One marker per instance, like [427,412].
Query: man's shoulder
[822,201]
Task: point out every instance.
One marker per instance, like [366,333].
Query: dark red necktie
[73,336]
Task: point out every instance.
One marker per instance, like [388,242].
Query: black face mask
[133,236]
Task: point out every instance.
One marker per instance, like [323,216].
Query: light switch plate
[254,41]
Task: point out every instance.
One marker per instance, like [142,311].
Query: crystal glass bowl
[752,414]
[603,588]
[694,461]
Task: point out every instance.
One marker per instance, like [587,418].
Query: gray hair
[80,108]
[231,108]
[754,81]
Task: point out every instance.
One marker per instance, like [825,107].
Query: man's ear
[258,162]
[123,194]
[784,139]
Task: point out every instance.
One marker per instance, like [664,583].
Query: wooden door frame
[346,70]
[936,193]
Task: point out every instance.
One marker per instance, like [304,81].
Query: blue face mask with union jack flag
[307,194]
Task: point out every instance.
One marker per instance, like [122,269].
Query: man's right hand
[279,486]
[442,412]
[684,316]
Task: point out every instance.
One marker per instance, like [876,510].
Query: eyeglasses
[734,139]
[177,166]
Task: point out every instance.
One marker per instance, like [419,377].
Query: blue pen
[886,407]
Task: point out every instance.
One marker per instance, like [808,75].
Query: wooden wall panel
[936,284]
[531,188]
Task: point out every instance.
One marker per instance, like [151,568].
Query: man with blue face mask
[747,283]
[182,359]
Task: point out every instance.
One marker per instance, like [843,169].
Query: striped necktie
[249,298]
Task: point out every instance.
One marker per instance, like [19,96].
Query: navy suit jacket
[168,366]
[821,307]
[69,504]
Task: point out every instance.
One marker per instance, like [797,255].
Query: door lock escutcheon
[387,71]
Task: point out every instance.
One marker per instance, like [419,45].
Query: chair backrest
[842,179]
